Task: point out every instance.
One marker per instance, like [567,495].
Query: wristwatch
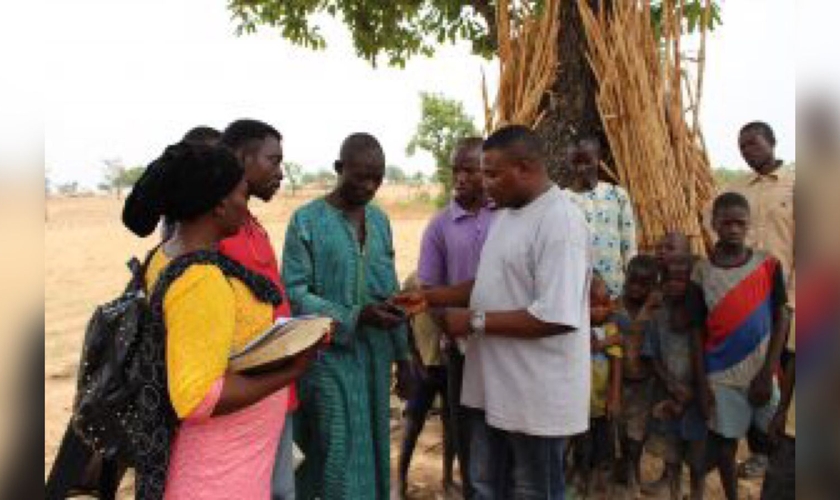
[477,320]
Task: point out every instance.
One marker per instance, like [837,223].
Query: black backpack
[122,408]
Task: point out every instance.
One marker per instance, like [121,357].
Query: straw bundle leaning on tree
[660,158]
[654,136]
[527,62]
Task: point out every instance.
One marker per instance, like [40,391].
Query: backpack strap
[262,288]
[138,270]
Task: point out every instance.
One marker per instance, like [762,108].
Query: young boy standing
[594,453]
[678,430]
[737,302]
[637,304]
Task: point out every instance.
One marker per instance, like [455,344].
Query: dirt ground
[86,248]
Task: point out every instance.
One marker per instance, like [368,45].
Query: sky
[124,78]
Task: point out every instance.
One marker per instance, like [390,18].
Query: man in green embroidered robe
[338,261]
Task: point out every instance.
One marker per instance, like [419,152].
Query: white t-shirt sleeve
[562,272]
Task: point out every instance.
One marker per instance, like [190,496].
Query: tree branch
[488,11]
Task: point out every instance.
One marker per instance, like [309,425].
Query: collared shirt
[536,258]
[609,213]
[772,226]
[452,245]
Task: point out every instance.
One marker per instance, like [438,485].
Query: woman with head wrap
[228,431]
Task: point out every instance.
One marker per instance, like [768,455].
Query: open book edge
[280,327]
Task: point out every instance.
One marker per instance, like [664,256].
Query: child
[737,303]
[430,377]
[672,244]
[594,452]
[677,427]
[637,304]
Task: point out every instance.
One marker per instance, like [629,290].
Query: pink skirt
[227,457]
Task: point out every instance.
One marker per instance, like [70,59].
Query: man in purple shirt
[449,255]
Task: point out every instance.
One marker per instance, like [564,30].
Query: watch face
[477,322]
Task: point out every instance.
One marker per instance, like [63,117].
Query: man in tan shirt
[769,190]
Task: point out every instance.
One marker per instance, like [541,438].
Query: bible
[280,343]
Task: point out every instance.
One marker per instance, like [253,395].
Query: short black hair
[245,132]
[358,143]
[645,264]
[463,146]
[202,134]
[517,139]
[761,128]
[728,200]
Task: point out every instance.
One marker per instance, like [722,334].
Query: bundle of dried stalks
[655,139]
[527,62]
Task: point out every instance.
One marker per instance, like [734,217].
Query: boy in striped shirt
[737,303]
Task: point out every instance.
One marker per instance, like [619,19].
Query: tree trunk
[570,109]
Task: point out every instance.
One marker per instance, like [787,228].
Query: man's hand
[456,322]
[380,315]
[761,389]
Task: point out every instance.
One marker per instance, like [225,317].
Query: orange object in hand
[412,303]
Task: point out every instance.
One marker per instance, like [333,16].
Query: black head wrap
[186,181]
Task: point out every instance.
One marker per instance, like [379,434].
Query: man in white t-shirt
[526,316]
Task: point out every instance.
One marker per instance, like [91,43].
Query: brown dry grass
[85,250]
